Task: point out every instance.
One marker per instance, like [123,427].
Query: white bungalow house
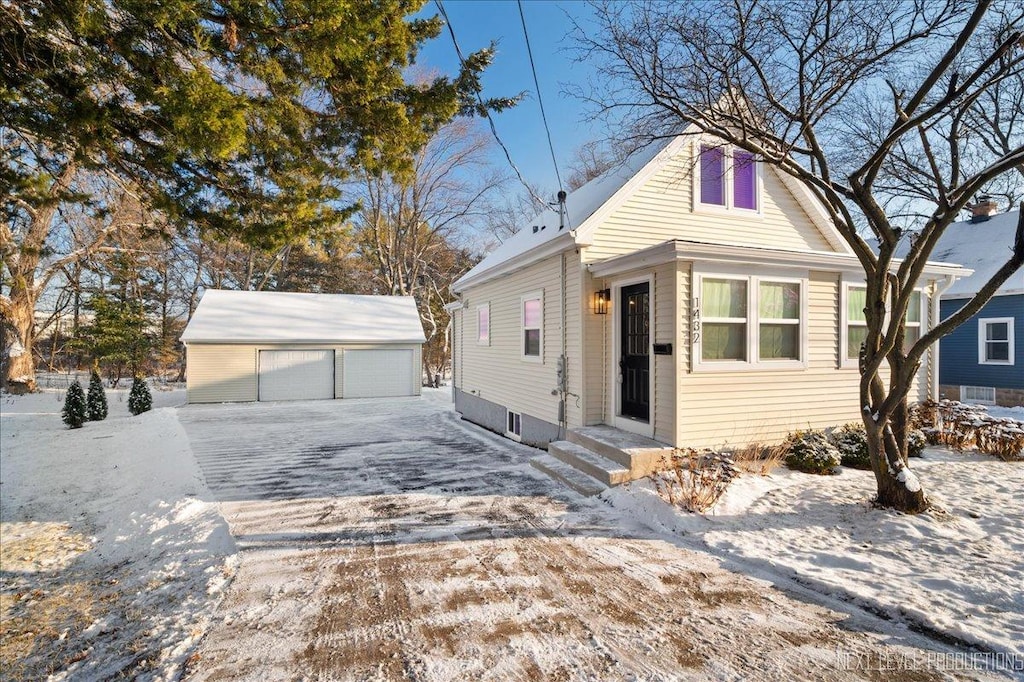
[692,297]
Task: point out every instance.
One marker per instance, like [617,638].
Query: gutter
[553,246]
[936,299]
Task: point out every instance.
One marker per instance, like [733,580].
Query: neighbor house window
[533,326]
[483,324]
[728,178]
[751,321]
[995,341]
[984,395]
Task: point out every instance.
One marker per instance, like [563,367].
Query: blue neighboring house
[982,361]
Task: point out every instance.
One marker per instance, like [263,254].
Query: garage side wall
[219,373]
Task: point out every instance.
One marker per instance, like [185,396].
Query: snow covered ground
[386,539]
[957,570]
[112,556]
[383,539]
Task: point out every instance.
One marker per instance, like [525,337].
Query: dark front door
[634,340]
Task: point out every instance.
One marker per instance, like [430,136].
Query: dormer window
[728,178]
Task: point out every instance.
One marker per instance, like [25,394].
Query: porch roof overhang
[682,250]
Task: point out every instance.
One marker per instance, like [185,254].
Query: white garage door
[378,373]
[296,374]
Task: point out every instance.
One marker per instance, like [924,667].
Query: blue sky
[476,24]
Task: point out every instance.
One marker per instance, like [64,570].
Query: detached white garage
[258,345]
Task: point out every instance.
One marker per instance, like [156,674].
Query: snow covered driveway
[384,539]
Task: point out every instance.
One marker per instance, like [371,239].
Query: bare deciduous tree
[409,229]
[867,103]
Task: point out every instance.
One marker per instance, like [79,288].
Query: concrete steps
[567,475]
[595,457]
[642,456]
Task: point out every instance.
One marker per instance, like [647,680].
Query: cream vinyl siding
[661,210]
[664,408]
[224,373]
[739,407]
[597,351]
[498,372]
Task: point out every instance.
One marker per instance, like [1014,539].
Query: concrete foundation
[492,416]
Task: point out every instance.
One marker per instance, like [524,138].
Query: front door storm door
[634,342]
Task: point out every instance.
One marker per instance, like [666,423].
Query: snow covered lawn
[386,539]
[957,570]
[112,556]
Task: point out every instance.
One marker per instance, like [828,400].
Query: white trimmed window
[513,424]
[983,395]
[726,178]
[912,321]
[855,325]
[532,316]
[751,321]
[483,324]
[995,341]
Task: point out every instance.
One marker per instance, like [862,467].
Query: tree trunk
[898,487]
[18,315]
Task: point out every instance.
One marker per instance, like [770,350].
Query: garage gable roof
[278,317]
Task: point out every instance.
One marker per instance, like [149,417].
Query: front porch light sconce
[602,299]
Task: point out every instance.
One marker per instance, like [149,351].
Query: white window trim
[983,323]
[485,308]
[509,414]
[753,322]
[727,151]
[844,322]
[535,295]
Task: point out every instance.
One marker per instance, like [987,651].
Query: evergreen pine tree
[74,412]
[139,398]
[97,398]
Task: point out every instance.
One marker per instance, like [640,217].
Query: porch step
[603,469]
[641,456]
[562,472]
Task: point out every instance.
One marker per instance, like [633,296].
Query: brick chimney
[984,209]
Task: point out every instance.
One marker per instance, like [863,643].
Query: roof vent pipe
[984,209]
[535,228]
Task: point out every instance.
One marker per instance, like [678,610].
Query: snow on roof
[580,204]
[982,247]
[272,316]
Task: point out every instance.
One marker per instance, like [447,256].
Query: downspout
[939,291]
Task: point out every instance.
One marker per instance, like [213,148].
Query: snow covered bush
[96,401]
[961,427]
[810,452]
[851,440]
[139,398]
[916,442]
[694,480]
[75,411]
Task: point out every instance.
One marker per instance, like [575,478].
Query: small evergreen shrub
[810,452]
[75,411]
[851,440]
[96,401]
[916,443]
[139,398]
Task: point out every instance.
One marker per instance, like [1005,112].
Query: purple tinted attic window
[744,181]
[712,175]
